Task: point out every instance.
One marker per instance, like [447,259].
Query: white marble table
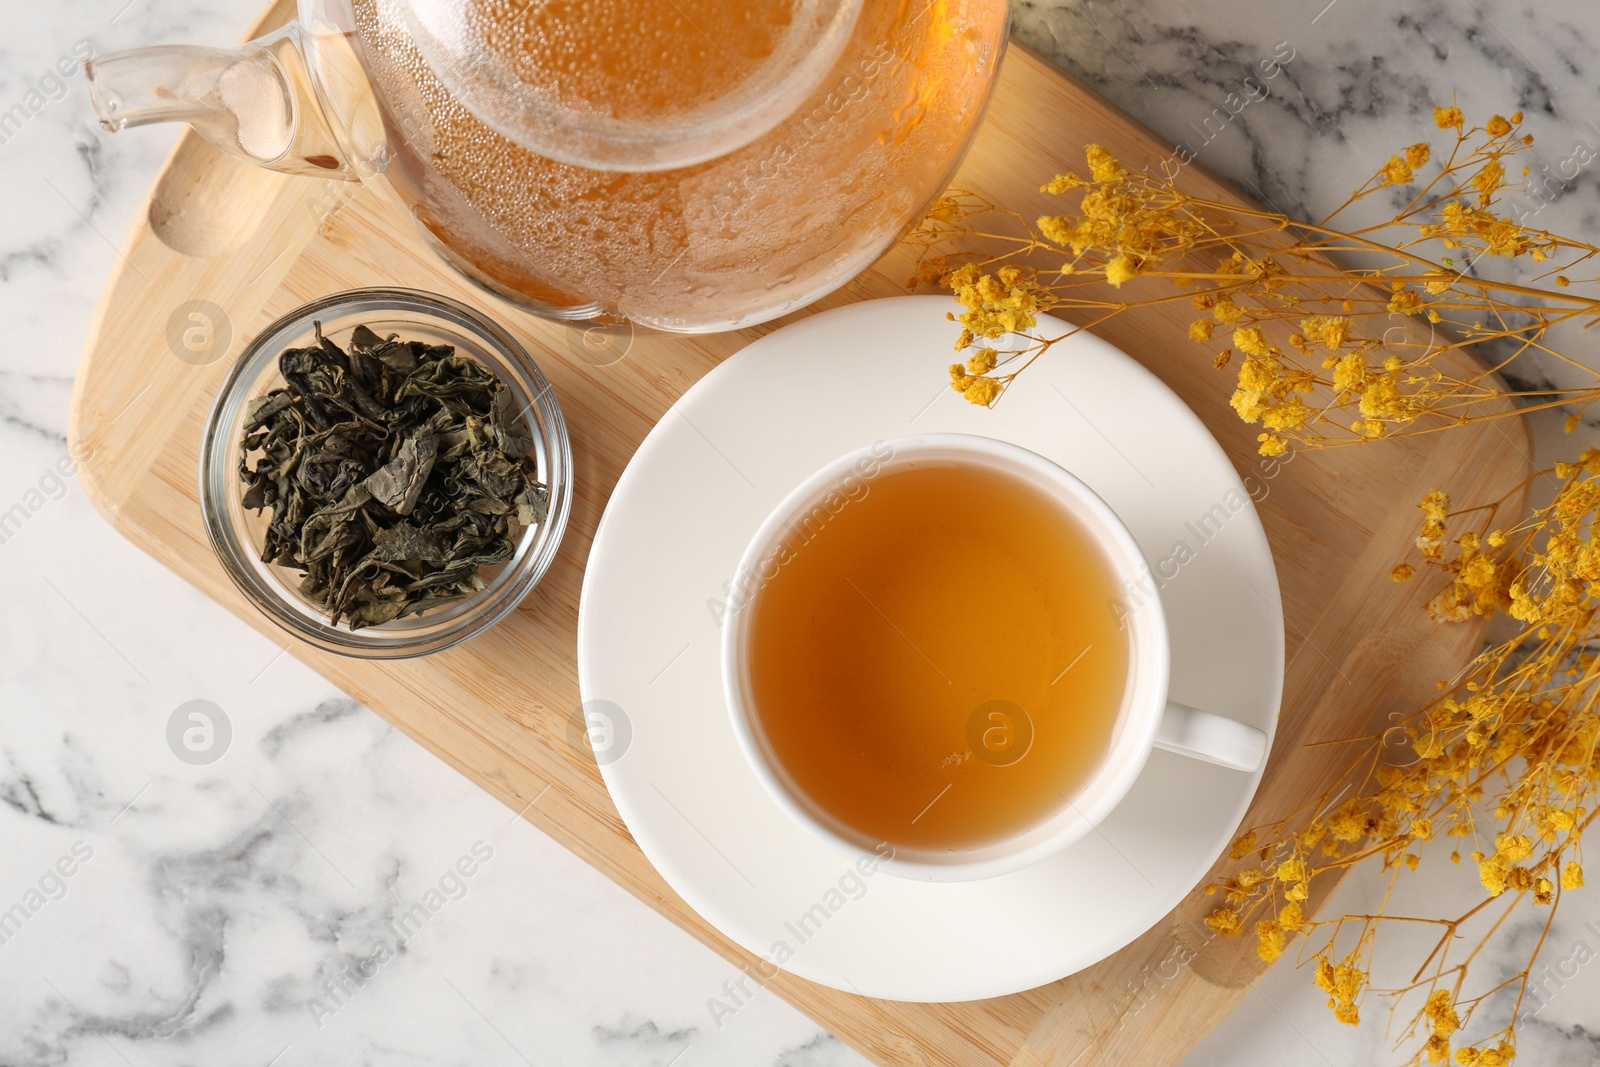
[212,910]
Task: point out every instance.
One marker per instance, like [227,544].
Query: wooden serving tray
[499,709]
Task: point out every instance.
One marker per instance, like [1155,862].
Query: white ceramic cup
[1148,719]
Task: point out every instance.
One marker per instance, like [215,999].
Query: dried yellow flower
[1332,330]
[1343,983]
[1350,373]
[1225,921]
[982,391]
[1490,177]
[1514,848]
[1270,939]
[1287,415]
[1497,126]
[1103,166]
[1119,270]
[1494,873]
[1396,172]
[1441,1013]
[1226,311]
[1202,329]
[1477,572]
[1406,302]
[1250,340]
[1061,183]
[1448,118]
[1292,870]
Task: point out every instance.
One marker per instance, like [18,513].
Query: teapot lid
[630,85]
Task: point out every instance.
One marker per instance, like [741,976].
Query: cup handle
[1203,736]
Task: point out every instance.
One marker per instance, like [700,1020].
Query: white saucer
[648,637]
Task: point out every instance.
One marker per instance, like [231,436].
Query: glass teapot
[691,165]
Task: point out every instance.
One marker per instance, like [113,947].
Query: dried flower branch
[1507,758]
[1319,358]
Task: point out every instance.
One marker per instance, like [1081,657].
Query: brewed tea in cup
[925,648]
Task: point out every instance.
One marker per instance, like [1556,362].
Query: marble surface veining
[211,914]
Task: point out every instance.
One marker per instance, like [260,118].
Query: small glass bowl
[237,534]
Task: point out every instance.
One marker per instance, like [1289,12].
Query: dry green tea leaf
[394,471]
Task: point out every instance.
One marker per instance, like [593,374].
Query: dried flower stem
[1508,755]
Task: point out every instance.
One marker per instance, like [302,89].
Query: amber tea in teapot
[695,166]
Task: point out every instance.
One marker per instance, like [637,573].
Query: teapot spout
[243,100]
